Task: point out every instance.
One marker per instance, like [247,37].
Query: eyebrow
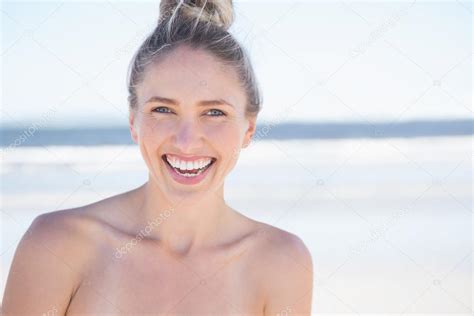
[200,103]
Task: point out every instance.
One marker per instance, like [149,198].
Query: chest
[145,281]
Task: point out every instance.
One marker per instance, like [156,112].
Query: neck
[185,224]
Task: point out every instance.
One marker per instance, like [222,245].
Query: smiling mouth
[187,172]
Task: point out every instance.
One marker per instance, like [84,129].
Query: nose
[188,136]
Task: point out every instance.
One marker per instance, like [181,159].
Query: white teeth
[188,165]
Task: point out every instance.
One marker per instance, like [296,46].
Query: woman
[172,245]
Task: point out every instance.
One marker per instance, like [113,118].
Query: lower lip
[188,180]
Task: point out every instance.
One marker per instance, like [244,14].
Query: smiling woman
[193,106]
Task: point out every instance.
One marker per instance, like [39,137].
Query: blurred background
[363,148]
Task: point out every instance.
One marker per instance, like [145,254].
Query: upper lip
[189,158]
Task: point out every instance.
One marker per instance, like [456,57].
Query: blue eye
[219,112]
[166,110]
[159,108]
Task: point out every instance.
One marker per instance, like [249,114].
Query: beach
[388,221]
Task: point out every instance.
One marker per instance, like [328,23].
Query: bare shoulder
[285,271]
[56,252]
[69,235]
[94,219]
[74,227]
[47,265]
[277,243]
[70,226]
[270,242]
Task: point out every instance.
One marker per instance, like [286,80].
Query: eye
[157,109]
[217,112]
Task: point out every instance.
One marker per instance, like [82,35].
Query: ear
[131,122]
[250,131]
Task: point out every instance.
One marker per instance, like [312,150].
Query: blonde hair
[201,24]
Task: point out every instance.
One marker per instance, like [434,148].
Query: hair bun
[217,12]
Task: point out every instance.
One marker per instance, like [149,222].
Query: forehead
[186,74]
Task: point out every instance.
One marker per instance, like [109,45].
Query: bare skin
[166,247]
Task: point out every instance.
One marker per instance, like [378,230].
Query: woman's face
[190,111]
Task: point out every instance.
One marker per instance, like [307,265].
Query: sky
[66,63]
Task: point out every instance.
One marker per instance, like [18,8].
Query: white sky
[66,63]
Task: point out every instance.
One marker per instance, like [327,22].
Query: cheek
[153,131]
[225,135]
[226,138]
